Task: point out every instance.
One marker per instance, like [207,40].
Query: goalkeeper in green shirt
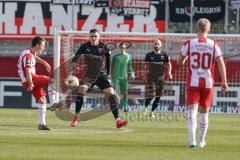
[122,68]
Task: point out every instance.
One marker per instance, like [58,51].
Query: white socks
[192,126]
[42,113]
[203,126]
[43,107]
[51,94]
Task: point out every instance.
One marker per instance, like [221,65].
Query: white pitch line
[65,131]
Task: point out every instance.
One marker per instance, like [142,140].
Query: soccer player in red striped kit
[35,83]
[201,53]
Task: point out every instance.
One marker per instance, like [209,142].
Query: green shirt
[121,64]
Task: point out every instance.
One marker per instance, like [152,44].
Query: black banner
[180,11]
[130,7]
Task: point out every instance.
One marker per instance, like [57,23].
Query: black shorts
[155,85]
[102,82]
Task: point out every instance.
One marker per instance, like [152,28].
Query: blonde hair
[203,25]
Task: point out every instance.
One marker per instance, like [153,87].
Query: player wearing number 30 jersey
[201,54]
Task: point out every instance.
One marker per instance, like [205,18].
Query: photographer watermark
[158,116]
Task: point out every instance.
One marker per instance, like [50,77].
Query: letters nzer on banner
[41,17]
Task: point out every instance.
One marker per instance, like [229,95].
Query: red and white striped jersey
[202,53]
[26,60]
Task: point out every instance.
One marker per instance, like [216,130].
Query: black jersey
[99,53]
[156,63]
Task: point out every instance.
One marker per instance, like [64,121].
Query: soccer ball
[72,82]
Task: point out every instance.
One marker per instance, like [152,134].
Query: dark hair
[94,31]
[122,43]
[37,40]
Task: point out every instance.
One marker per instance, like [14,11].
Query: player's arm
[146,60]
[43,62]
[82,49]
[77,54]
[183,53]
[223,74]
[130,68]
[221,66]
[169,65]
[29,79]
[181,59]
[27,66]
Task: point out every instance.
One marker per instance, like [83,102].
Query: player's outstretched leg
[56,105]
[114,101]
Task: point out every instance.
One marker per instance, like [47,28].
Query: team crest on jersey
[28,61]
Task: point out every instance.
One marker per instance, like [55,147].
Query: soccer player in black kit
[95,53]
[155,61]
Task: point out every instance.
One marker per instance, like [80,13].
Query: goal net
[138,45]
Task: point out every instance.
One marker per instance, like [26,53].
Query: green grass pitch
[98,139]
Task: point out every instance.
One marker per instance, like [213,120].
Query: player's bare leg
[192,124]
